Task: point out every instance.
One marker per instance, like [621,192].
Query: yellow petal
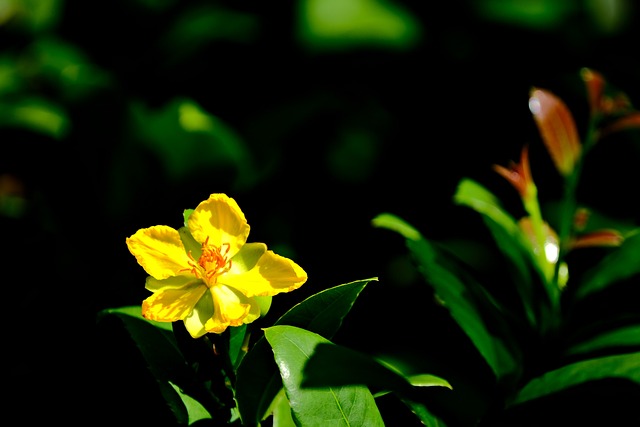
[231,308]
[159,251]
[175,282]
[219,219]
[247,258]
[202,311]
[172,304]
[271,275]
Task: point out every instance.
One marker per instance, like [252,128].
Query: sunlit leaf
[626,366]
[622,263]
[258,381]
[36,114]
[397,224]
[282,411]
[195,410]
[187,139]
[477,197]
[346,405]
[348,24]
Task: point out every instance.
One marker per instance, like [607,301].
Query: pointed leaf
[258,381]
[620,264]
[626,366]
[423,414]
[457,297]
[337,406]
[628,336]
[333,365]
[506,234]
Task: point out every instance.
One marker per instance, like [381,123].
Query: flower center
[213,262]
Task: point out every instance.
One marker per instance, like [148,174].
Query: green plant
[290,373]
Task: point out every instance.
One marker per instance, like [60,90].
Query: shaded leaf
[333,365]
[337,406]
[620,264]
[625,366]
[628,336]
[506,234]
[457,297]
[163,359]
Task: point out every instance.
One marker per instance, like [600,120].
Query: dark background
[385,116]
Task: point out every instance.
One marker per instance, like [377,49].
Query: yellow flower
[206,274]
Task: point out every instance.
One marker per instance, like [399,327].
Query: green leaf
[333,365]
[36,114]
[620,264]
[188,139]
[478,198]
[136,311]
[258,381]
[348,24]
[423,414]
[628,336]
[458,297]
[195,410]
[237,337]
[394,223]
[159,350]
[626,366]
[507,236]
[339,406]
[282,411]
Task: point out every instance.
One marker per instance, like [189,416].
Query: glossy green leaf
[335,366]
[282,411]
[335,406]
[628,336]
[457,296]
[258,381]
[622,263]
[625,366]
[195,409]
[237,337]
